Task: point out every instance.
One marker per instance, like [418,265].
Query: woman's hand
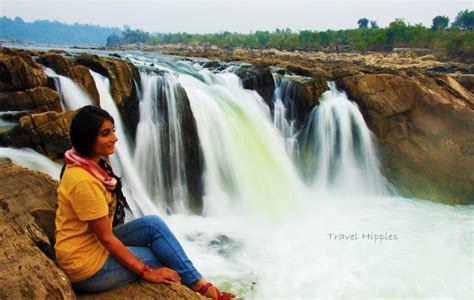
[162,275]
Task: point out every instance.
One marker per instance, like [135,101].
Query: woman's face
[105,140]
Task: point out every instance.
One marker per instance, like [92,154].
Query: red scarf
[73,158]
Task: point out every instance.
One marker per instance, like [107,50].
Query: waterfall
[284,112]
[338,151]
[148,153]
[71,95]
[270,217]
[122,162]
[159,132]
[247,169]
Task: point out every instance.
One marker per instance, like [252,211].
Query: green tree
[374,25]
[440,22]
[363,23]
[465,19]
[397,32]
[113,41]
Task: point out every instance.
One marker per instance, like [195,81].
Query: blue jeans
[151,241]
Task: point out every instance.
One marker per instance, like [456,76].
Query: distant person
[96,249]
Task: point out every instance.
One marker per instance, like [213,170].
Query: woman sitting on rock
[93,246]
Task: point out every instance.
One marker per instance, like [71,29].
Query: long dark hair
[85,127]
[84,130]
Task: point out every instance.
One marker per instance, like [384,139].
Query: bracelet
[145,268]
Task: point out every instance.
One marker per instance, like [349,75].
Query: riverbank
[430,60]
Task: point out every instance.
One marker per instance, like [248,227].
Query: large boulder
[425,125]
[258,78]
[78,73]
[20,73]
[29,271]
[124,77]
[38,99]
[193,156]
[47,133]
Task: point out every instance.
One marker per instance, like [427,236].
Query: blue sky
[200,16]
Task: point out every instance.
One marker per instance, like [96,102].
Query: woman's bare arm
[104,233]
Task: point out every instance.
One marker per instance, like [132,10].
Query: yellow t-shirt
[81,197]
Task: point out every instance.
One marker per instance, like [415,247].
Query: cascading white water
[338,149]
[247,170]
[307,257]
[148,153]
[137,197]
[426,251]
[149,157]
[284,117]
[31,159]
[71,95]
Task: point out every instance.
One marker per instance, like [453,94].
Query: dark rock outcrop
[20,73]
[425,124]
[77,73]
[38,99]
[29,271]
[258,78]
[124,78]
[214,65]
[192,152]
[47,133]
[303,93]
[193,156]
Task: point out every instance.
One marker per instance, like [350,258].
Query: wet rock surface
[258,78]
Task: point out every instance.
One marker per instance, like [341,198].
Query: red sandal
[220,296]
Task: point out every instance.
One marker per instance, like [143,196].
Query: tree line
[457,37]
[54,32]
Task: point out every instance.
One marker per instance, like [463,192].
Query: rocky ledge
[29,270]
